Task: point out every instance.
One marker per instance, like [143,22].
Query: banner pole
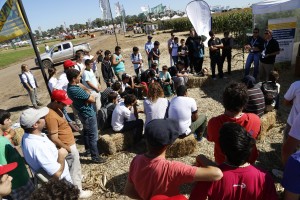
[34,45]
[112,19]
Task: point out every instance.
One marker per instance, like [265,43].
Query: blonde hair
[155,91]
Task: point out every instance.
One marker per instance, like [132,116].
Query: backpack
[103,117]
[270,91]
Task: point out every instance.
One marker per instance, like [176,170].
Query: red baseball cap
[7,168]
[61,96]
[164,197]
[69,63]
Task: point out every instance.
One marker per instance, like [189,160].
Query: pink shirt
[237,184]
[152,176]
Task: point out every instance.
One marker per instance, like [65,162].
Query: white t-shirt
[62,82]
[155,110]
[121,114]
[89,76]
[90,57]
[40,153]
[295,129]
[293,93]
[52,83]
[174,47]
[181,109]
[123,86]
[136,58]
[80,67]
[30,79]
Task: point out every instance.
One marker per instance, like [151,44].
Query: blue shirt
[291,176]
[148,47]
[79,98]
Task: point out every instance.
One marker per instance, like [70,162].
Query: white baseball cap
[30,116]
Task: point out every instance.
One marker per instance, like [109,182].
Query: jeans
[216,60]
[252,57]
[33,96]
[137,127]
[175,59]
[90,134]
[74,166]
[138,72]
[227,55]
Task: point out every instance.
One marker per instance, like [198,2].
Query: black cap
[249,81]
[150,37]
[161,132]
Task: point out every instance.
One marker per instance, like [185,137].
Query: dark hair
[117,48]
[129,99]
[274,76]
[236,143]
[51,72]
[71,74]
[56,189]
[175,38]
[107,52]
[235,97]
[211,33]
[182,40]
[87,62]
[3,116]
[172,33]
[256,29]
[226,32]
[156,43]
[153,65]
[111,97]
[181,90]
[78,54]
[155,150]
[151,73]
[165,67]
[116,86]
[135,49]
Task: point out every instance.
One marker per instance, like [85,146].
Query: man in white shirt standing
[184,109]
[170,41]
[148,47]
[90,81]
[39,152]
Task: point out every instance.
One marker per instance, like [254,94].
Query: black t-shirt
[226,44]
[173,71]
[270,47]
[212,42]
[256,42]
[180,48]
[189,43]
[157,52]
[144,75]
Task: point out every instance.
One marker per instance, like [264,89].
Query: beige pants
[264,71]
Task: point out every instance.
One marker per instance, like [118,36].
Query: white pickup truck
[61,52]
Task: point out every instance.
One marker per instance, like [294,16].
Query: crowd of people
[50,150]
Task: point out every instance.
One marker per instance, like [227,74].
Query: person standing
[47,49]
[137,61]
[107,71]
[198,57]
[82,102]
[30,84]
[60,133]
[183,54]
[190,44]
[214,45]
[174,50]
[118,63]
[148,47]
[170,41]
[155,55]
[268,55]
[226,50]
[255,45]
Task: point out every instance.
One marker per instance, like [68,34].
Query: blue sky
[51,13]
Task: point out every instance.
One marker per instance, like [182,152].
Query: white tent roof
[153,19]
[269,6]
[175,17]
[185,15]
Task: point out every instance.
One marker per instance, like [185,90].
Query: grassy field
[11,56]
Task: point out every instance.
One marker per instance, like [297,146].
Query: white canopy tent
[276,9]
[175,17]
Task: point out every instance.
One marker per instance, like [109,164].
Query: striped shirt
[79,98]
[256,102]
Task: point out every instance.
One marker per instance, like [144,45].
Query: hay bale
[197,81]
[268,120]
[115,142]
[182,147]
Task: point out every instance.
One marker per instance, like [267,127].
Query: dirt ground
[108,180]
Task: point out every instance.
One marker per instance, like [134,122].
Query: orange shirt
[57,124]
[249,121]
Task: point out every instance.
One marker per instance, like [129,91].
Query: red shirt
[237,184]
[153,176]
[249,121]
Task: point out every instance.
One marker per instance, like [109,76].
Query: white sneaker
[84,194]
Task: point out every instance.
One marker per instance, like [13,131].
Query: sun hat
[7,168]
[30,116]
[161,132]
[61,96]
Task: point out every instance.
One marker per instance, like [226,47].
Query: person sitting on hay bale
[235,98]
[241,180]
[184,109]
[151,174]
[256,99]
[124,120]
